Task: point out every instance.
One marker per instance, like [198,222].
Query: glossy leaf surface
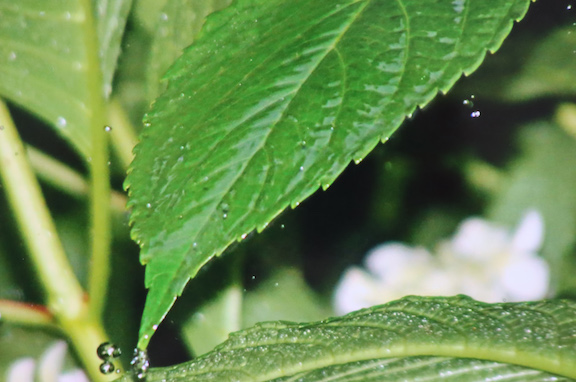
[400,341]
[273,101]
[179,23]
[44,59]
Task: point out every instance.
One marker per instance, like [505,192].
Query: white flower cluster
[47,369]
[482,260]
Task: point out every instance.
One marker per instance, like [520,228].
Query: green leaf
[45,59]
[539,179]
[179,24]
[522,341]
[111,20]
[266,107]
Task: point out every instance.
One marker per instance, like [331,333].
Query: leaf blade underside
[401,340]
[272,102]
[44,60]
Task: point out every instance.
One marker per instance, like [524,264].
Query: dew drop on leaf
[61,122]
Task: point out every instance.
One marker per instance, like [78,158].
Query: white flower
[47,369]
[482,260]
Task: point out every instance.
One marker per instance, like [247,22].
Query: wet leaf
[44,59]
[273,101]
[404,340]
[179,23]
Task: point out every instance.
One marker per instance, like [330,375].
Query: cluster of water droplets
[107,352]
[140,364]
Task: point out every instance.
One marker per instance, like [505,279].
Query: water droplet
[194,244]
[224,216]
[301,168]
[468,102]
[107,129]
[475,114]
[282,226]
[108,350]
[163,16]
[140,363]
[180,159]
[61,122]
[106,367]
[148,205]
[12,56]
[154,327]
[244,236]
[569,7]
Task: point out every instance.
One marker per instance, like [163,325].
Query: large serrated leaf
[273,101]
[400,341]
[44,59]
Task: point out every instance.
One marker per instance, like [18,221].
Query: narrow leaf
[400,341]
[274,100]
[111,20]
[44,60]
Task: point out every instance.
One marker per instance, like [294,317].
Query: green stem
[99,171]
[66,179]
[65,298]
[123,134]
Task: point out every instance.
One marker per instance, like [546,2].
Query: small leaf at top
[400,341]
[274,100]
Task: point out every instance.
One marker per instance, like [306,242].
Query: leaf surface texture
[413,339]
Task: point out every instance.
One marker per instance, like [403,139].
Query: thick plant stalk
[99,171]
[65,298]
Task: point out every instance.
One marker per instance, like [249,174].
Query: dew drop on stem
[140,364]
[106,367]
[108,350]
